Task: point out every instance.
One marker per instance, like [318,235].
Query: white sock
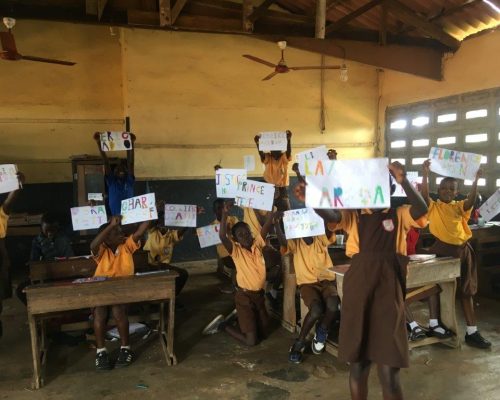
[433,323]
[274,293]
[471,330]
[125,347]
[101,350]
[413,325]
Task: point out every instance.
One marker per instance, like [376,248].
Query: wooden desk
[441,271]
[46,299]
[486,243]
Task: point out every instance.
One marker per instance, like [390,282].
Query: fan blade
[8,42]
[259,60]
[270,76]
[47,60]
[325,67]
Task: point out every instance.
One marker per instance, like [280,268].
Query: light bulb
[343,73]
[9,22]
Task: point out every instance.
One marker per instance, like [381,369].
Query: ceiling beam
[176,10]
[246,11]
[408,16]
[165,12]
[335,26]
[383,26]
[260,10]
[320,19]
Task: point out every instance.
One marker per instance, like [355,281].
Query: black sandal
[447,333]
[416,334]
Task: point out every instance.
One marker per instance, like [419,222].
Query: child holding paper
[317,287]
[120,180]
[372,328]
[276,171]
[448,223]
[246,252]
[113,254]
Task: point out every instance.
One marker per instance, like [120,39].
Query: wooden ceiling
[405,35]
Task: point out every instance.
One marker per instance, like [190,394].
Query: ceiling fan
[9,50]
[282,68]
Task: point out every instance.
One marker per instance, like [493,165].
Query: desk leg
[35,349]
[448,312]
[170,329]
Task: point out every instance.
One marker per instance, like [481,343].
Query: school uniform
[160,247]
[118,263]
[276,172]
[118,190]
[373,315]
[312,264]
[222,253]
[251,280]
[448,223]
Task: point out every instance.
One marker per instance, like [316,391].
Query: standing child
[113,254]
[448,223]
[317,287]
[120,180]
[372,328]
[276,171]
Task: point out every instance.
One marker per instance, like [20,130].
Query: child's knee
[100,314]
[316,309]
[332,304]
[120,313]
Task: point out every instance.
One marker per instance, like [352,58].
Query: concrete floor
[216,367]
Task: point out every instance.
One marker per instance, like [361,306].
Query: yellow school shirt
[448,221]
[118,263]
[311,262]
[3,223]
[250,218]
[231,221]
[349,224]
[250,267]
[276,171]
[161,246]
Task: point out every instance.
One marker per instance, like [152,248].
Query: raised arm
[99,239]
[12,196]
[295,168]
[277,227]
[266,228]
[261,153]
[418,205]
[288,144]
[471,197]
[107,167]
[130,156]
[329,216]
[425,181]
[227,243]
[141,230]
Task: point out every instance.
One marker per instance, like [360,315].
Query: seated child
[317,287]
[246,252]
[276,171]
[113,254]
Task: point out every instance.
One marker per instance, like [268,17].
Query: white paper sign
[180,215]
[491,207]
[8,178]
[249,162]
[273,141]
[208,235]
[139,208]
[455,164]
[318,153]
[253,194]
[116,141]
[88,217]
[302,222]
[95,196]
[348,183]
[414,179]
[226,182]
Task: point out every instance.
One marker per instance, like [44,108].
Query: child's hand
[397,171]
[426,167]
[21,178]
[295,167]
[92,203]
[227,206]
[200,210]
[217,167]
[256,139]
[97,137]
[133,137]
[288,134]
[479,173]
[115,220]
[277,216]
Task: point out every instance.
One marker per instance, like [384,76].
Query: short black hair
[102,227]
[448,179]
[49,218]
[217,202]
[238,225]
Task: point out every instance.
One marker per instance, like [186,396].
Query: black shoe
[296,351]
[416,334]
[125,358]
[102,361]
[433,332]
[476,340]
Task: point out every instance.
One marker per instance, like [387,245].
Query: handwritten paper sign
[8,178]
[318,153]
[180,215]
[491,207]
[272,141]
[95,197]
[414,179]
[84,218]
[208,235]
[253,194]
[302,222]
[348,183]
[455,164]
[116,141]
[249,162]
[227,180]
[139,209]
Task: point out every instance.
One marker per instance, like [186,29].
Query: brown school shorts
[318,291]
[251,310]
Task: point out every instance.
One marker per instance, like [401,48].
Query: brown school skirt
[372,326]
[468,264]
[251,310]
[318,291]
